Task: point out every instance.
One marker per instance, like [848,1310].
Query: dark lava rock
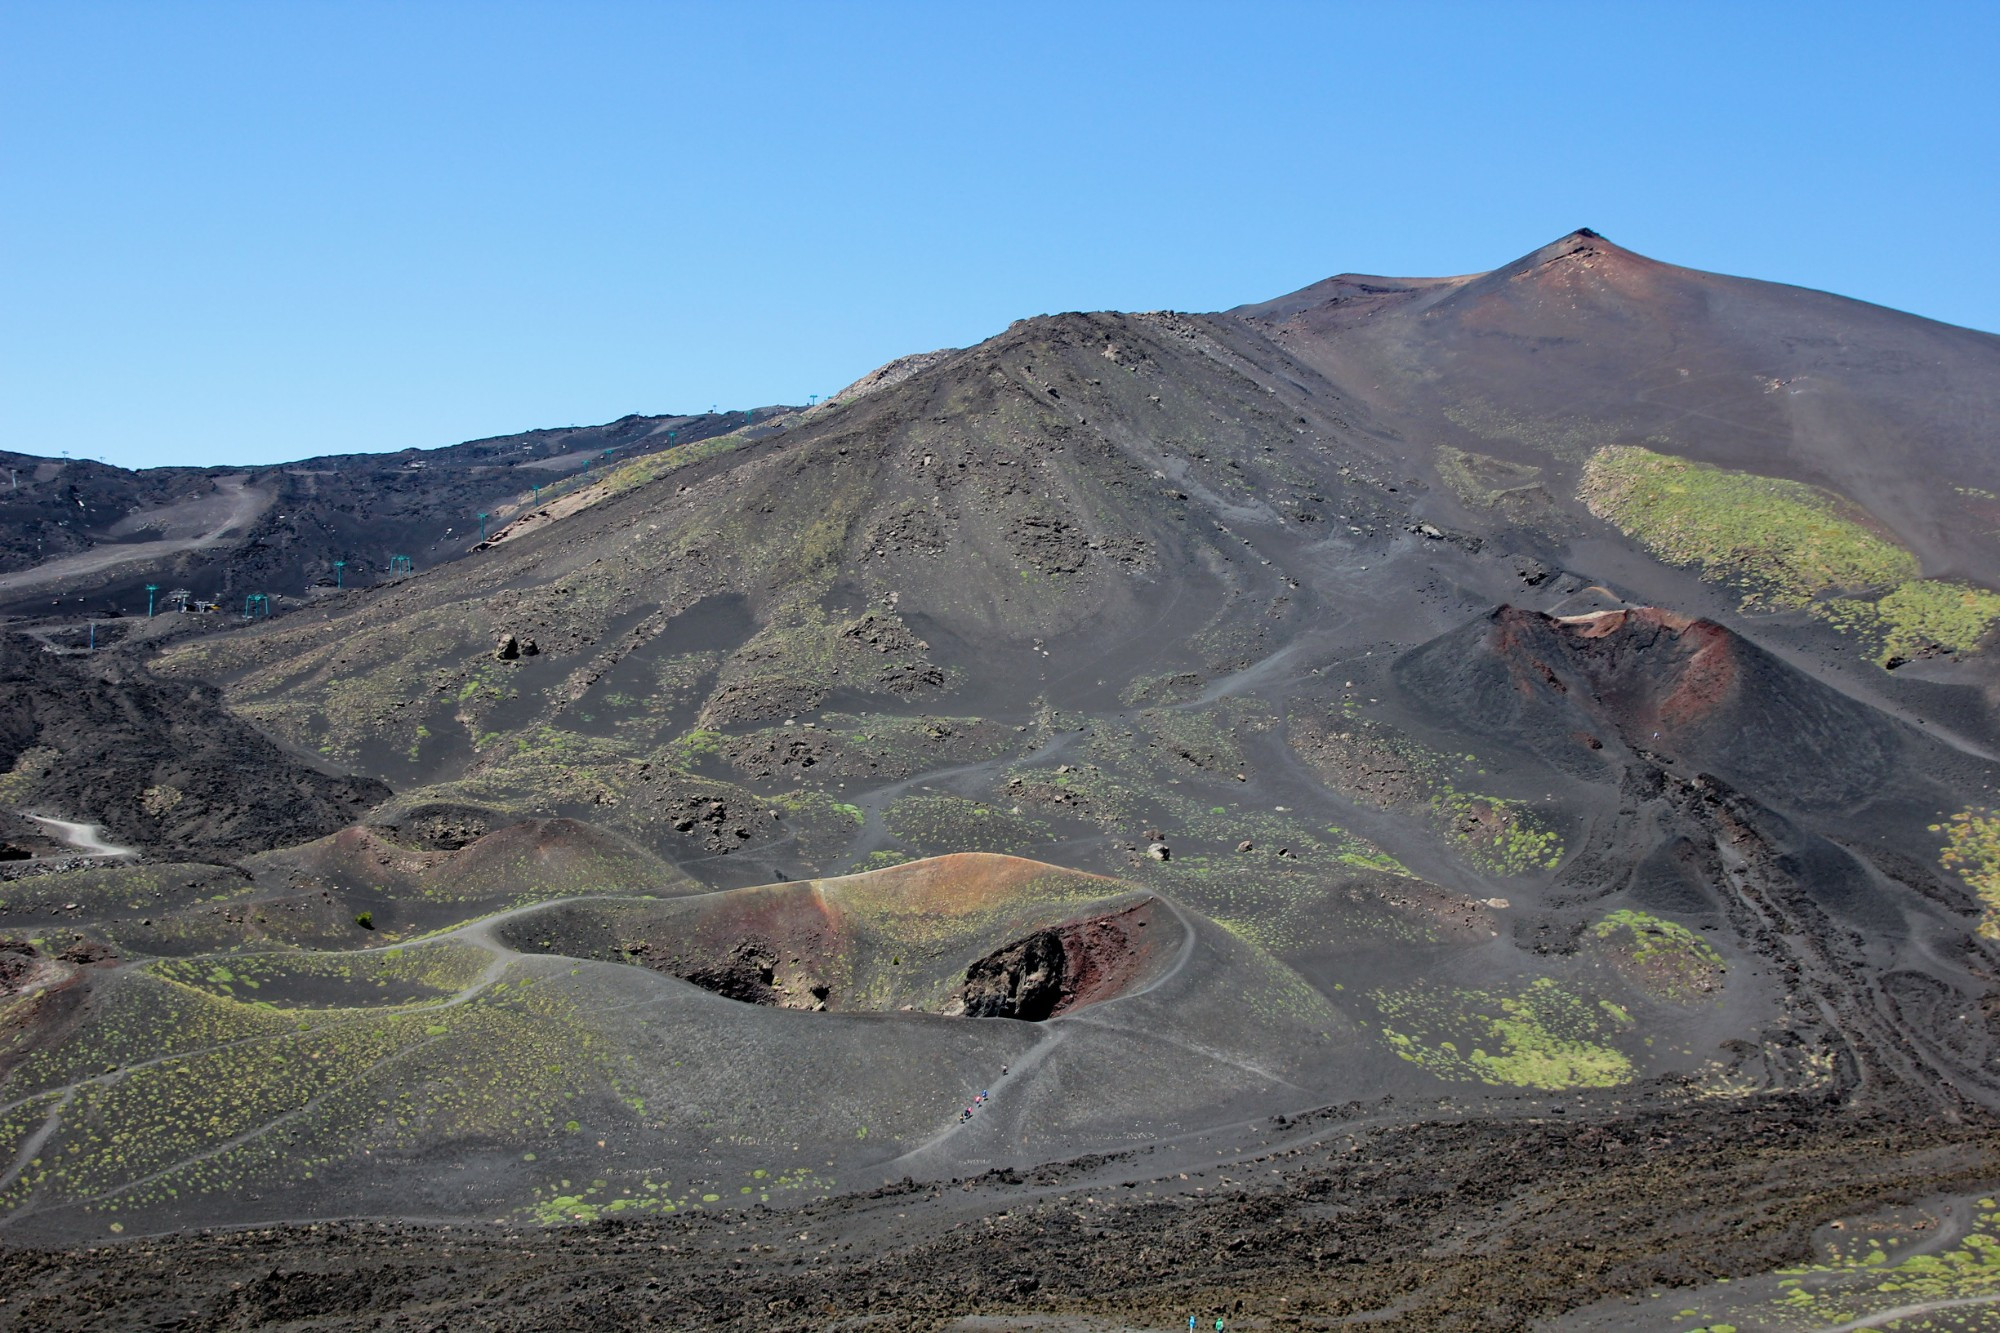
[162,765]
[17,960]
[87,951]
[442,827]
[1023,980]
[748,974]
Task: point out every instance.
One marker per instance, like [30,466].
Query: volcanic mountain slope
[1070,589]
[1582,344]
[1551,761]
[928,543]
[1794,445]
[82,536]
[1734,766]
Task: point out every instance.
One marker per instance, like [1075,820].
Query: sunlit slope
[1514,378]
[1162,708]
[644,661]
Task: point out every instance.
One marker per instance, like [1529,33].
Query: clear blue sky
[250,232]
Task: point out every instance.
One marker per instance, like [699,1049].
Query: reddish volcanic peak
[1664,684]
[1650,622]
[1583,249]
[1566,280]
[1649,668]
[1582,267]
[1583,243]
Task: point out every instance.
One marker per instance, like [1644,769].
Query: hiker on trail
[1190,1324]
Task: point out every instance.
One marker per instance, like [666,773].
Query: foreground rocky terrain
[1439,803]
[1488,1222]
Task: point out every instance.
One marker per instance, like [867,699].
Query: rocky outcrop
[1023,980]
[161,765]
[1059,968]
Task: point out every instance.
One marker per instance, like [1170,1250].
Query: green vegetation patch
[178,1095]
[692,746]
[135,1019]
[19,784]
[1499,836]
[1972,850]
[954,824]
[1920,617]
[567,1203]
[545,767]
[362,979]
[1885,1272]
[1786,544]
[1542,1035]
[1661,957]
[651,467]
[1368,761]
[128,889]
[1783,542]
[822,826]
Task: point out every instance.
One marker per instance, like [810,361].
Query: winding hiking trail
[1050,1036]
[244,506]
[86,838]
[1881,1317]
